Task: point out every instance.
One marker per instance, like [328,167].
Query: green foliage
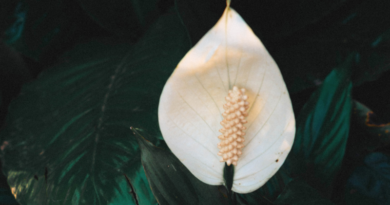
[171,182]
[270,190]
[299,193]
[41,30]
[66,139]
[68,130]
[322,131]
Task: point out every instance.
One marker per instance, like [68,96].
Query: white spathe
[192,102]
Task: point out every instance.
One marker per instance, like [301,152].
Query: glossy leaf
[171,182]
[373,179]
[298,192]
[322,130]
[67,133]
[192,102]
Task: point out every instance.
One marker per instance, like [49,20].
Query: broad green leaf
[43,29]
[192,107]
[298,192]
[270,190]
[121,17]
[322,130]
[68,130]
[171,182]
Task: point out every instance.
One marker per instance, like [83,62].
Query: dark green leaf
[43,29]
[270,190]
[322,131]
[298,192]
[253,200]
[172,183]
[121,17]
[68,131]
[372,180]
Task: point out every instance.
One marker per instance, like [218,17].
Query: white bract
[192,104]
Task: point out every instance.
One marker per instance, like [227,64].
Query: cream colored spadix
[233,131]
[192,108]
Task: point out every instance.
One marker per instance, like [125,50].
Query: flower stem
[228,175]
[232,198]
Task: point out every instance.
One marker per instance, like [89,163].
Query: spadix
[233,130]
[227,101]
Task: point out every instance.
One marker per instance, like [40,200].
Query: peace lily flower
[227,102]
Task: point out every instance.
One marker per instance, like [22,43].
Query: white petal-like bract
[192,102]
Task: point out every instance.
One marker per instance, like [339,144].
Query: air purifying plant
[226,101]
